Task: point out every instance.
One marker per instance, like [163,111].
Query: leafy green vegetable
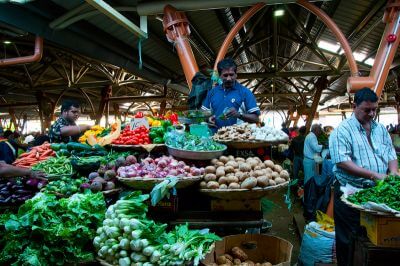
[386,191]
[47,231]
[128,236]
[192,143]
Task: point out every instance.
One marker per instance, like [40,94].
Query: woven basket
[149,183]
[250,144]
[361,208]
[237,194]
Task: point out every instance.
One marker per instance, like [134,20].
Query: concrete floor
[283,225]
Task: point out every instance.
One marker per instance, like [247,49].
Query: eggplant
[32,182]
[5,189]
[10,183]
[16,187]
[3,185]
[5,193]
[22,192]
[25,198]
[7,200]
[41,184]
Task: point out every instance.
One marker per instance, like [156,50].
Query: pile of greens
[386,192]
[48,231]
[191,142]
[128,237]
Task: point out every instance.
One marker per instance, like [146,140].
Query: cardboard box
[382,230]
[259,248]
[235,205]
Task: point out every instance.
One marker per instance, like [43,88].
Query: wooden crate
[382,230]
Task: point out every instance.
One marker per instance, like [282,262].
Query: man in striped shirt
[362,152]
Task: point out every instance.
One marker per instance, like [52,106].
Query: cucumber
[75,146]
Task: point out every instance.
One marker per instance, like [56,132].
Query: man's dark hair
[365,95]
[302,130]
[67,104]
[225,64]
[7,133]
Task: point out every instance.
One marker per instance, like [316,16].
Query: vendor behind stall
[362,152]
[65,128]
[231,100]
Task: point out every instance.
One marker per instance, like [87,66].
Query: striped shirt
[349,142]
[311,146]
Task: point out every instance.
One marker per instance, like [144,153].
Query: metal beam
[289,74]
[18,104]
[139,99]
[113,14]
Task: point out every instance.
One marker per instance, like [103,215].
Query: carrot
[48,152]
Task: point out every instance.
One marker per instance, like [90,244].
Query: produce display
[18,190]
[158,120]
[78,149]
[55,166]
[49,231]
[128,237]
[250,132]
[229,172]
[138,136]
[159,168]
[386,191]
[191,142]
[95,131]
[35,155]
[65,186]
[237,256]
[106,136]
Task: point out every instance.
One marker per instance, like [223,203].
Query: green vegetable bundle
[128,237]
[55,166]
[47,231]
[191,142]
[65,186]
[385,192]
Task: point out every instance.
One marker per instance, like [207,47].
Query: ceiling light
[331,47]
[272,66]
[7,42]
[279,13]
[272,85]
[359,56]
[370,61]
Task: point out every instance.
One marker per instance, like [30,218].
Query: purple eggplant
[32,182]
[5,193]
[22,192]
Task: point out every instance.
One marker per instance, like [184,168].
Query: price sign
[138,122]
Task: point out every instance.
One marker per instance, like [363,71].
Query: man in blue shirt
[311,148]
[231,100]
[362,152]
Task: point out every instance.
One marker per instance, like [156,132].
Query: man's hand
[211,121]
[232,113]
[85,127]
[378,176]
[38,175]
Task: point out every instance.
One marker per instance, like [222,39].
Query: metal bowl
[195,155]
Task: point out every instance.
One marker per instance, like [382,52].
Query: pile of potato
[237,257]
[234,133]
[229,172]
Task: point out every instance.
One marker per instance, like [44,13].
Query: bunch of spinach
[386,191]
[51,231]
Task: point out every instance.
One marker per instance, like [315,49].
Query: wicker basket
[361,208]
[250,144]
[237,194]
[149,183]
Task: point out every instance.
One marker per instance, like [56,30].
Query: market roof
[280,57]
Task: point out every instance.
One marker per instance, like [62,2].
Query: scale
[196,120]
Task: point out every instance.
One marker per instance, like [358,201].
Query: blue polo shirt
[239,97]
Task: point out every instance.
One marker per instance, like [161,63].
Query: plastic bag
[326,223]
[318,246]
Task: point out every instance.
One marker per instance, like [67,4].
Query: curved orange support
[225,45]
[336,31]
[176,27]
[37,55]
[386,52]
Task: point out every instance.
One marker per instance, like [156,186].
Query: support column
[320,85]
[106,93]
[13,119]
[117,113]
[46,110]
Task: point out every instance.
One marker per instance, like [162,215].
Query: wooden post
[320,85]
[11,111]
[117,113]
[397,98]
[106,93]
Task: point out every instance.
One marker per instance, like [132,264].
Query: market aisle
[282,221]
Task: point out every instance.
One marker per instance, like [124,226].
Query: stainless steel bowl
[195,155]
